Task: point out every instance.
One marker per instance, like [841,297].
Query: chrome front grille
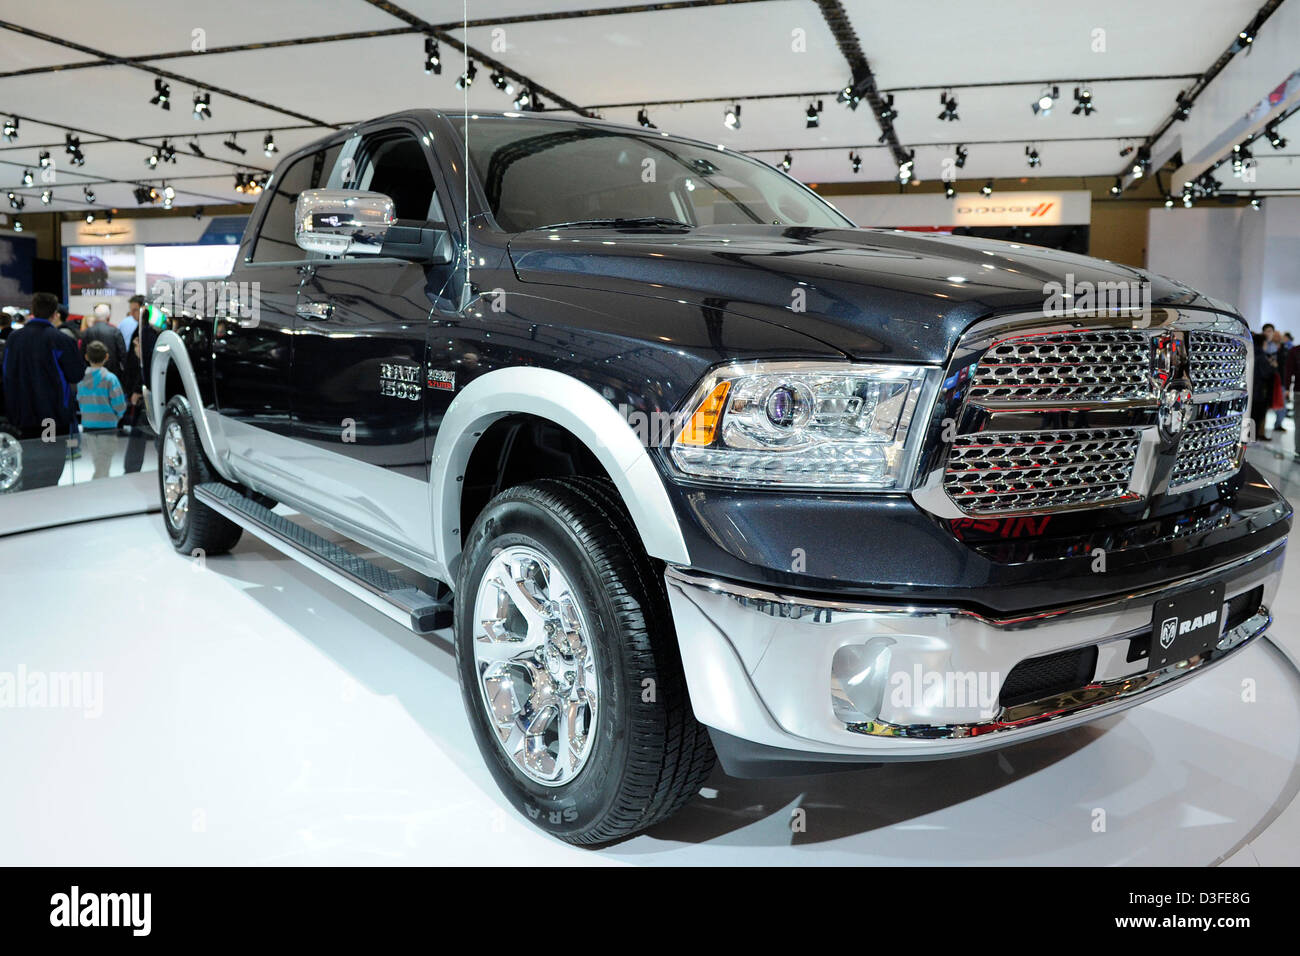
[1004,472]
[1082,413]
[1218,362]
[1084,365]
[1209,451]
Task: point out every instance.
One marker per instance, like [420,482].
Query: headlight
[824,425]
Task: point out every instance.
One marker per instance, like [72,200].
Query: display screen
[101,270]
[174,263]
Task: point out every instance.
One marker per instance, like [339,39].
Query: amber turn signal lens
[704,423]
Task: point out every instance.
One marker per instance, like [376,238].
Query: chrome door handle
[315,310]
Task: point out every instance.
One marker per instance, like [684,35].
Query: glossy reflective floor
[247,712]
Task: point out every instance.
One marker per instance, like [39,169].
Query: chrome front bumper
[884,682]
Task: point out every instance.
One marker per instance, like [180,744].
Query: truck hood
[870,293]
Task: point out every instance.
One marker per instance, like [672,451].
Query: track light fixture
[202,105]
[18,225]
[1182,106]
[502,82]
[11,129]
[144,194]
[959,156]
[643,119]
[1032,157]
[905,168]
[432,58]
[888,113]
[787,161]
[27,177]
[731,116]
[249,183]
[813,115]
[466,79]
[1274,138]
[1083,101]
[1141,162]
[16,201]
[855,160]
[90,217]
[268,145]
[232,144]
[44,159]
[196,149]
[1169,201]
[88,193]
[987,189]
[72,146]
[1241,159]
[948,104]
[525,99]
[1255,202]
[47,196]
[1046,100]
[1246,36]
[850,96]
[950,190]
[1117,187]
[162,94]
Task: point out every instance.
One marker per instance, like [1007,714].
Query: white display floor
[250,713]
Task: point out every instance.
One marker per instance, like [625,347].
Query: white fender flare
[572,405]
[170,350]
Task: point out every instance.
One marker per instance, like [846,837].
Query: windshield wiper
[621,221]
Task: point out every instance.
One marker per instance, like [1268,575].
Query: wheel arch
[568,404]
[170,366]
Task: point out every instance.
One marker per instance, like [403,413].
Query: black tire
[648,757]
[200,530]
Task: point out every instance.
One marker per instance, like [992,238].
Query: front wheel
[182,466]
[569,666]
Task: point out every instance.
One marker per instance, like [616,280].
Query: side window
[275,239]
[393,163]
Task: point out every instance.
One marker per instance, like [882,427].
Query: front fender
[572,405]
[168,352]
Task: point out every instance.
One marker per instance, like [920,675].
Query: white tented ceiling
[88,67]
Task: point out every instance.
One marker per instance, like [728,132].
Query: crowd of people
[75,386]
[1276,360]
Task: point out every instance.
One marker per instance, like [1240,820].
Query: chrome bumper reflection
[825,676]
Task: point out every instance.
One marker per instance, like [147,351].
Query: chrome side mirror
[342,222]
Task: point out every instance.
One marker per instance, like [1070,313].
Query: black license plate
[1185,626]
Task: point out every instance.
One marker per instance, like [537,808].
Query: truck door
[359,358]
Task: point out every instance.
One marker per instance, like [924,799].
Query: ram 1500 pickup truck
[693,467]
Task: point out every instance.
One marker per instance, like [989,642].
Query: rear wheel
[569,666]
[11,458]
[182,466]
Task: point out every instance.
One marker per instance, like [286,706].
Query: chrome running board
[381,589]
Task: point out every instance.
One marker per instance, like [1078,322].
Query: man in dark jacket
[42,367]
[97,328]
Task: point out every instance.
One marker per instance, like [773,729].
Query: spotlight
[1273,136]
[18,225]
[1187,200]
[905,168]
[813,115]
[466,79]
[987,189]
[1118,187]
[249,183]
[948,102]
[525,99]
[44,159]
[1241,156]
[88,193]
[162,94]
[959,156]
[16,201]
[1031,155]
[198,212]
[1046,100]
[787,161]
[233,145]
[432,58]
[72,146]
[1169,202]
[268,145]
[1182,106]
[1141,162]
[1255,202]
[194,148]
[1246,37]
[168,192]
[11,129]
[502,83]
[888,113]
[90,217]
[142,195]
[27,177]
[47,196]
[643,119]
[949,191]
[167,152]
[1083,101]
[153,159]
[850,96]
[731,117]
[202,106]
[855,160]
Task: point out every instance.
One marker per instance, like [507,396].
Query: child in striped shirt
[102,403]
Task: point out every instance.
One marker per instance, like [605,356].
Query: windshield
[545,172]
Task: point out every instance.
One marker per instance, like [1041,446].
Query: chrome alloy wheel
[536,666]
[11,461]
[175,476]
